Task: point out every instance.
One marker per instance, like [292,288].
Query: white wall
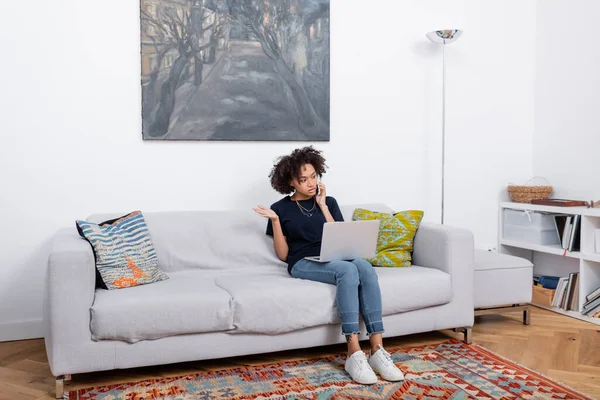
[490,106]
[567,95]
[71,142]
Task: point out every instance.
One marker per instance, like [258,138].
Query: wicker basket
[526,193]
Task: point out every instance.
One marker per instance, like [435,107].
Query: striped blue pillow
[125,254]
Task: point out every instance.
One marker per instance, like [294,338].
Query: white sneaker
[359,369]
[382,363]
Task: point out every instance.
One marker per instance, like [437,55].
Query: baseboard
[21,330]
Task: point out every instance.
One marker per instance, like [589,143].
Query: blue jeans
[357,290]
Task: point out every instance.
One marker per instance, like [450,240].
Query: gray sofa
[228,294]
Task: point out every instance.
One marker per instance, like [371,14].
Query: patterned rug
[450,370]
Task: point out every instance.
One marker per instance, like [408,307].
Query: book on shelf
[573,292]
[560,202]
[593,295]
[575,237]
[568,229]
[546,281]
[560,290]
[566,234]
[567,293]
[592,305]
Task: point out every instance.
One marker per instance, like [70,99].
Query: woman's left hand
[322,194]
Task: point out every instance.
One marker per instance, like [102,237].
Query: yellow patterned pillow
[396,235]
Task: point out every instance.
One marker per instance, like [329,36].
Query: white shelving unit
[552,259]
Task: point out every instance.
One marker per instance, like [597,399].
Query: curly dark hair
[288,167]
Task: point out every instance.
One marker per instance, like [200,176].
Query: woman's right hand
[266,212]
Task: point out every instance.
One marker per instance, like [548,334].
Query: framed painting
[241,70]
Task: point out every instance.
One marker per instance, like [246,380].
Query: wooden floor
[563,348]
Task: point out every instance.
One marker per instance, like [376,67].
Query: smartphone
[318,187]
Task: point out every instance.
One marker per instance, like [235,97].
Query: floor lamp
[444,37]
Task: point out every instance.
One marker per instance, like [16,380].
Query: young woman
[296,224]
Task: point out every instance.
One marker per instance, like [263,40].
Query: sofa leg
[60,385]
[526,316]
[467,334]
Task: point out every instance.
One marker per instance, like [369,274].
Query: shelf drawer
[530,227]
[530,235]
[529,219]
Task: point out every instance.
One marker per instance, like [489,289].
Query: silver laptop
[348,240]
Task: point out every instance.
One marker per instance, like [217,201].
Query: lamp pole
[444,37]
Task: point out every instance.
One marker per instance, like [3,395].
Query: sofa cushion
[348,209]
[215,240]
[209,240]
[407,289]
[123,251]
[188,302]
[396,236]
[273,303]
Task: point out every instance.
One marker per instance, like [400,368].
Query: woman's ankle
[375,342]
[353,347]
[353,344]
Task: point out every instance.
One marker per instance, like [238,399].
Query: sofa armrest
[70,289]
[443,247]
[448,249]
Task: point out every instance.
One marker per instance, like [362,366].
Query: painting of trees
[235,69]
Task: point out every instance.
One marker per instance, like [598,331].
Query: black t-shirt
[303,233]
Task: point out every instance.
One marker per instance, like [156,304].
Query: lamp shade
[444,36]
